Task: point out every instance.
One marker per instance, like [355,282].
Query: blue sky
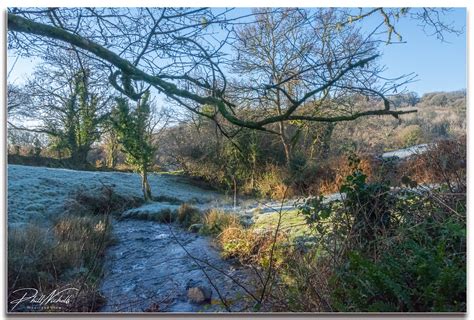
[440,66]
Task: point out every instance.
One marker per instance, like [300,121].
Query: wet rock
[196,227]
[199,295]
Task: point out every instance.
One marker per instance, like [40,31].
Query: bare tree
[182,53]
[431,20]
[294,61]
[17,99]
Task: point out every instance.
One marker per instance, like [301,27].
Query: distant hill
[439,115]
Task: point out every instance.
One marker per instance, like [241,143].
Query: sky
[440,66]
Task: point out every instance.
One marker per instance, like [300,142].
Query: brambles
[391,252]
[424,272]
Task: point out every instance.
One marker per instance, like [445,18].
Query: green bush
[391,252]
[272,184]
[410,135]
[424,272]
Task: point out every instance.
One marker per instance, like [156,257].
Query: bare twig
[221,298]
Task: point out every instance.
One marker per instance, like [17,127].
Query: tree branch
[128,69]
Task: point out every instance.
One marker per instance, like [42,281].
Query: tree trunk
[145,186]
[252,178]
[111,147]
[326,141]
[112,163]
[79,156]
[112,158]
[286,147]
[281,127]
[235,192]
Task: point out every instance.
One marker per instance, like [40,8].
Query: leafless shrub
[444,162]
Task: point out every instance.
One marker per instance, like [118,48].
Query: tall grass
[68,254]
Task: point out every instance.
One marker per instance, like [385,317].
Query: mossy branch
[23,25]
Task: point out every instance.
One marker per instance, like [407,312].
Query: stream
[152,265]
[148,270]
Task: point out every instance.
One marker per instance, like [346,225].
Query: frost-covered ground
[407,152]
[148,264]
[38,193]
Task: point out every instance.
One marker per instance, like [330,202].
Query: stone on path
[199,295]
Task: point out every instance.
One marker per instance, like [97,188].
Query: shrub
[444,162]
[251,246]
[305,277]
[422,272]
[410,135]
[215,221]
[327,176]
[391,253]
[188,215]
[272,183]
[316,178]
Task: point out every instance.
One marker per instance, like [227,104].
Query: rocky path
[148,270]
